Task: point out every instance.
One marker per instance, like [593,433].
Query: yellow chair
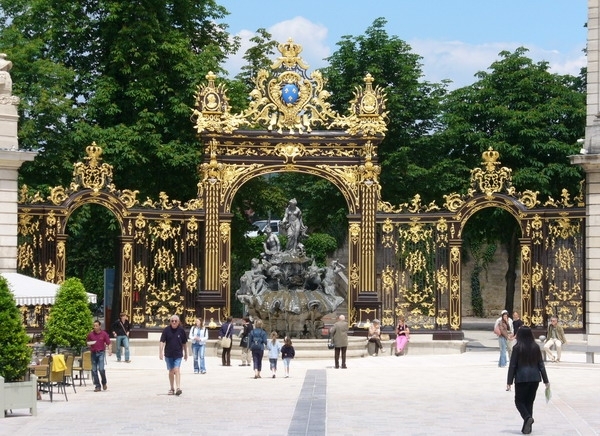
[42,372]
[69,360]
[48,378]
[85,365]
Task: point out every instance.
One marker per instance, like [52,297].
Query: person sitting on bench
[375,336]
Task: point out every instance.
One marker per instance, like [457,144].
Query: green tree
[120,73]
[319,246]
[533,118]
[70,319]
[90,251]
[258,57]
[15,355]
[413,106]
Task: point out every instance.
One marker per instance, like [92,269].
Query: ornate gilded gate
[287,104]
[420,248]
[160,244]
[405,259]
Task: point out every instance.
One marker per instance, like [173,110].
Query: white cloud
[453,60]
[459,61]
[311,36]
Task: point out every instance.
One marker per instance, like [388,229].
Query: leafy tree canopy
[532,117]
[70,319]
[120,73]
[413,104]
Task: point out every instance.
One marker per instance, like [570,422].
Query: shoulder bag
[226,341]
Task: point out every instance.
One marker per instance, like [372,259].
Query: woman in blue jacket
[257,341]
[526,370]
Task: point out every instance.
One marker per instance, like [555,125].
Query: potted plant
[15,355]
[70,319]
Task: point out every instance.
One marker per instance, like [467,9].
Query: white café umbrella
[29,291]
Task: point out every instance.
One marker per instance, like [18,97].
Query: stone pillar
[11,159]
[589,160]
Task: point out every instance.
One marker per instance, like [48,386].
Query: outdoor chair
[69,371]
[84,365]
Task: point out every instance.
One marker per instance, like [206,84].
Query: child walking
[274,347]
[287,354]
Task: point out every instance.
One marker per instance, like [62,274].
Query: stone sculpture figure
[293,225]
[271,244]
[5,79]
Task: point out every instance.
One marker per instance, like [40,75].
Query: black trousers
[226,357]
[524,398]
[337,356]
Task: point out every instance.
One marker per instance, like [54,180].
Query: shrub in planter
[15,355]
[70,319]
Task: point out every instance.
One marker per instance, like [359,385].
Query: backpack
[256,341]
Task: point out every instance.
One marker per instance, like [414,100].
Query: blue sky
[455,38]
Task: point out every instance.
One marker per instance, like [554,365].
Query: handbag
[330,343]
[225,341]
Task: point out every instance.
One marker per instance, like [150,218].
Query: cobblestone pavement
[457,394]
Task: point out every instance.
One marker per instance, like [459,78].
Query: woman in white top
[198,338]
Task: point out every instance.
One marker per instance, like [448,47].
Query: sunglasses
[174,320]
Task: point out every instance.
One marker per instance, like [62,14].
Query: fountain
[285,288]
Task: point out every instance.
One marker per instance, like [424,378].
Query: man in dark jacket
[121,329]
[246,329]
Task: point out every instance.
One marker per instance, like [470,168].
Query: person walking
[258,341]
[554,336]
[121,329]
[526,370]
[199,337]
[244,344]
[287,354]
[339,334]
[504,332]
[99,342]
[274,347]
[226,331]
[172,349]
[517,322]
[512,337]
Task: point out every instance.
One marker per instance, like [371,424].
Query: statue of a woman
[293,225]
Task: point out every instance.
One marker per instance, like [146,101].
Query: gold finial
[490,159]
[290,52]
[211,77]
[93,154]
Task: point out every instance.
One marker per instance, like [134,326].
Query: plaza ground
[455,394]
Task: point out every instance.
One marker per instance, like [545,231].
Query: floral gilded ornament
[367,111]
[491,179]
[92,174]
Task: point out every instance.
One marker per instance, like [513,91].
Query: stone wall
[493,286]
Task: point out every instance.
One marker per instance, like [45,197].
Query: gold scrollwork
[224,231]
[354,233]
[290,151]
[92,174]
[367,111]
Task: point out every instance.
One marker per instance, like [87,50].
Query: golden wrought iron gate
[287,104]
[405,259]
[160,243]
[419,249]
